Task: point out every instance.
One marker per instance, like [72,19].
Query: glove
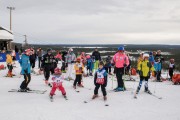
[124,65]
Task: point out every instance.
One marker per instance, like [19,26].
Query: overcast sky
[94,21]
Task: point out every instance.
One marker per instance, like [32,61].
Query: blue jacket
[90,63]
[25,64]
[157,66]
[151,59]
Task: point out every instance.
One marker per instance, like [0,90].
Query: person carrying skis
[25,70]
[100,80]
[171,68]
[70,59]
[57,80]
[121,62]
[144,69]
[48,64]
[79,68]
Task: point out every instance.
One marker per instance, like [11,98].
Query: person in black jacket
[47,65]
[32,58]
[100,80]
[96,55]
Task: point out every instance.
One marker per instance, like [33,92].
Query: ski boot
[22,90]
[28,89]
[94,96]
[46,82]
[51,98]
[105,98]
[147,91]
[80,85]
[74,86]
[119,89]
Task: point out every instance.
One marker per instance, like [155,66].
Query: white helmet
[70,49]
[145,55]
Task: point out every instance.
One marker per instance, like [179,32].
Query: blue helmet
[121,48]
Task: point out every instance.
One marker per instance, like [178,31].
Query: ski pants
[96,63]
[47,70]
[63,67]
[108,69]
[27,79]
[32,62]
[39,62]
[146,82]
[103,89]
[60,87]
[69,70]
[158,75]
[119,74]
[78,79]
[171,73]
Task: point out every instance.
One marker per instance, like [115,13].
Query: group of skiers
[48,63]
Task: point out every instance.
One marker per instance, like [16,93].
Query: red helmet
[78,59]
[57,71]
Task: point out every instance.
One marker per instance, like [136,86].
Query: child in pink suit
[57,80]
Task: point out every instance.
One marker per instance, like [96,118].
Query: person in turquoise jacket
[158,67]
[25,70]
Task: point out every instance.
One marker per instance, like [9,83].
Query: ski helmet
[88,56]
[121,48]
[78,59]
[57,71]
[145,55]
[70,49]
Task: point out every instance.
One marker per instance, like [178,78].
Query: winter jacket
[100,77]
[70,58]
[144,68]
[96,55]
[32,57]
[157,66]
[108,61]
[25,64]
[159,56]
[151,59]
[89,63]
[120,60]
[9,59]
[47,60]
[171,66]
[39,53]
[79,68]
[58,56]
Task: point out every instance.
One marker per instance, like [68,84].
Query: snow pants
[103,89]
[27,79]
[56,86]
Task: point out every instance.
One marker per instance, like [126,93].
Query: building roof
[6,35]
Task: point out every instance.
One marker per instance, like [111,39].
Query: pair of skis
[52,99]
[29,91]
[158,97]
[88,101]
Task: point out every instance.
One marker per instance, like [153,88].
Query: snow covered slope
[122,105]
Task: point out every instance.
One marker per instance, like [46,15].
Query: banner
[3,57]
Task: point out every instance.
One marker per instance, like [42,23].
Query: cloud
[94,21]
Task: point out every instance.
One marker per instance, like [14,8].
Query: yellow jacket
[9,59]
[145,68]
[79,68]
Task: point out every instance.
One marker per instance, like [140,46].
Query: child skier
[89,65]
[9,62]
[100,79]
[79,71]
[171,68]
[157,66]
[57,80]
[144,68]
[107,65]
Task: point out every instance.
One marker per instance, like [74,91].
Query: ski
[29,91]
[158,97]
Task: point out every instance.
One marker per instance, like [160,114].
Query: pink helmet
[88,56]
